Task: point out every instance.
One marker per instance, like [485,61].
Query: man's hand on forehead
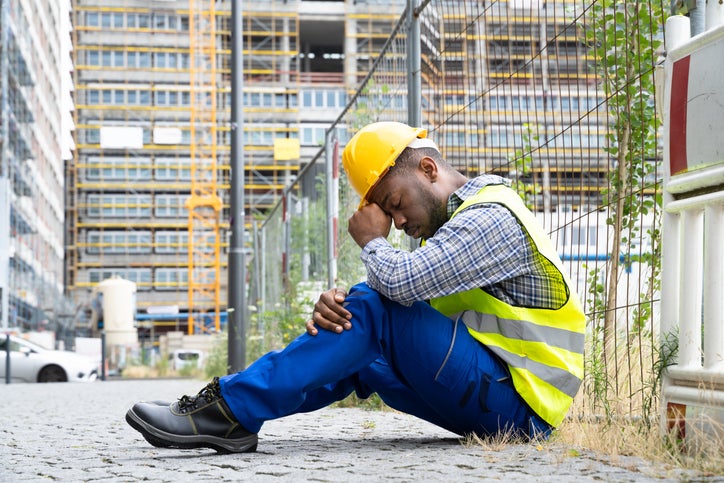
[368,223]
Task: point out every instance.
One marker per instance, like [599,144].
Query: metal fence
[557,96]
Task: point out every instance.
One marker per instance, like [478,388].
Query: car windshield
[16,344]
[188,356]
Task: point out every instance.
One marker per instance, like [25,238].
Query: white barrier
[692,307]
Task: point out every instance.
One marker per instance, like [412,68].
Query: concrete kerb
[77,432]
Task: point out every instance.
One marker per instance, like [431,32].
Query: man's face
[413,203]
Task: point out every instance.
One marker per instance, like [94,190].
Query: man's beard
[438,213]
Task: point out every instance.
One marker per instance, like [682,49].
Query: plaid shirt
[482,246]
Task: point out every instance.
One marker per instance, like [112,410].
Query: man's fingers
[311,329]
[330,321]
[329,313]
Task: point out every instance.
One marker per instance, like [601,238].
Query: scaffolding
[204,204]
[35,139]
[127,205]
[153,137]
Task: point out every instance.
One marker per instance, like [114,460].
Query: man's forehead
[380,193]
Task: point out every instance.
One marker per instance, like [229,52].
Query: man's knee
[366,305]
[362,294]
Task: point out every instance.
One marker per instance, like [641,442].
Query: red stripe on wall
[677,115]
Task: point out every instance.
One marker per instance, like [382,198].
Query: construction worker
[498,347]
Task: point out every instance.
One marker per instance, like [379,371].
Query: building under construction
[36,124]
[149,181]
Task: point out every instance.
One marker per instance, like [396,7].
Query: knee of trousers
[364,301]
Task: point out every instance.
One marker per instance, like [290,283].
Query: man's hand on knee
[329,314]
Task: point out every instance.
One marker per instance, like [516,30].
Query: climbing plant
[625,40]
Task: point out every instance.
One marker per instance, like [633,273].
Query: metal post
[331,152]
[7,358]
[103,355]
[414,76]
[698,17]
[414,63]
[237,262]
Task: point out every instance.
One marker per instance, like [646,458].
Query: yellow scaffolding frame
[204,204]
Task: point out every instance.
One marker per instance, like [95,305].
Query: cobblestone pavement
[77,432]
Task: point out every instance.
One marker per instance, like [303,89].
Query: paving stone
[77,432]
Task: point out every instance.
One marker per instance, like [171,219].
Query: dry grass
[496,442]
[620,415]
[702,450]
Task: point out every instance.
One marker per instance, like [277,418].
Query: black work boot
[201,421]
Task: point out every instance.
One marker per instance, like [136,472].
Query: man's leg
[227,413]
[378,378]
[432,355]
[439,372]
[321,366]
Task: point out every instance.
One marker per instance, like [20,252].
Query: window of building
[92,135]
[117,169]
[140,276]
[172,241]
[171,278]
[144,60]
[172,169]
[93,58]
[106,20]
[171,206]
[580,235]
[461,138]
[118,20]
[93,96]
[144,20]
[92,19]
[112,241]
[119,206]
[324,99]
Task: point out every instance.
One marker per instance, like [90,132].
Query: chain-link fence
[557,96]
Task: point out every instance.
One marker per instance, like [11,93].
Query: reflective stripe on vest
[522,330]
[542,347]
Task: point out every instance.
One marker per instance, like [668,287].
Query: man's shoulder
[479,182]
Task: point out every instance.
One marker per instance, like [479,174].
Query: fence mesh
[557,96]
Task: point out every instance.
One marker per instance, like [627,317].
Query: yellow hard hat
[373,150]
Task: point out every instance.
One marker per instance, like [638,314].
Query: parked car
[30,362]
[186,358]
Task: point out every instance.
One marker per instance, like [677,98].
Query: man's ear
[429,168]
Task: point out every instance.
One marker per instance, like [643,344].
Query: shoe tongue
[208,394]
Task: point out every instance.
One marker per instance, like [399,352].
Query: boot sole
[162,439]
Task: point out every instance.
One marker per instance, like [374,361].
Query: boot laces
[208,394]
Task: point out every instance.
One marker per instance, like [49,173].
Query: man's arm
[365,225]
[480,246]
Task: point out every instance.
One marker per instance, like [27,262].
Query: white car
[186,358]
[30,362]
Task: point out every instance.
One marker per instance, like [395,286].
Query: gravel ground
[77,432]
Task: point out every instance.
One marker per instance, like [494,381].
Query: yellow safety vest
[542,347]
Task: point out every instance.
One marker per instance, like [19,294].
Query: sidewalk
[77,432]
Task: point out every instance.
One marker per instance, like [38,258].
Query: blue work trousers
[419,362]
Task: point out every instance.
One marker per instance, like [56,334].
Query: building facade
[36,125]
[145,126]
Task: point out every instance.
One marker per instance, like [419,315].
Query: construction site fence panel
[560,98]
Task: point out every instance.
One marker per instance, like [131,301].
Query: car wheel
[52,374]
